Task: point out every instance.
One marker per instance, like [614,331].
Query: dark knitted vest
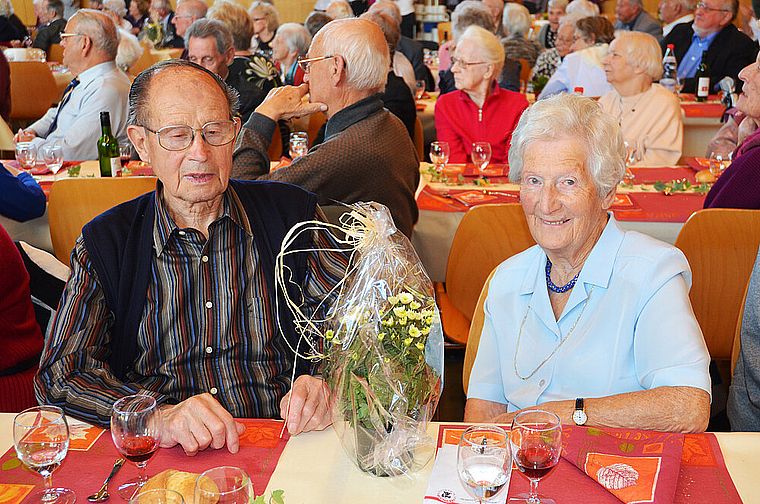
[120,245]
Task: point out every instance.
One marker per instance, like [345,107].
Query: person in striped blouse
[172,294]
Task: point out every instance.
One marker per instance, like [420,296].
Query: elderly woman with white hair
[517,21]
[289,45]
[648,114]
[548,33]
[549,60]
[479,111]
[265,21]
[593,323]
[116,10]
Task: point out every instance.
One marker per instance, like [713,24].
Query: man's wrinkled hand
[286,102]
[306,406]
[199,422]
[24,135]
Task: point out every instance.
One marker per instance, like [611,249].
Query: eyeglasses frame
[234,121]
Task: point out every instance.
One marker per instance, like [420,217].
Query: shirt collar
[93,73]
[708,38]
[353,114]
[165,228]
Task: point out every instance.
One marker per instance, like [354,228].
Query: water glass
[484,461]
[223,485]
[41,439]
[53,156]
[536,439]
[481,155]
[439,155]
[26,155]
[299,144]
[158,496]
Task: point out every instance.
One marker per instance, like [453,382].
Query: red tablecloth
[711,108]
[88,463]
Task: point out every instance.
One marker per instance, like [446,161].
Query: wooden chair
[473,340]
[444,32]
[75,202]
[524,73]
[721,245]
[737,344]
[143,62]
[55,53]
[487,235]
[33,90]
[316,121]
[275,148]
[419,139]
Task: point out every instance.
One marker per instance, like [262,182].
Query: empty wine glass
[484,462]
[536,438]
[158,496]
[299,144]
[481,155]
[420,87]
[41,439]
[223,485]
[136,432]
[26,155]
[439,155]
[53,156]
[719,162]
[630,158]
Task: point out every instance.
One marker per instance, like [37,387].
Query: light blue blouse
[637,331]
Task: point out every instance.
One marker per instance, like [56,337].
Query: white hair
[128,51]
[6,8]
[557,4]
[572,117]
[116,6]
[488,45]
[296,37]
[570,19]
[516,19]
[362,45]
[339,9]
[641,50]
[468,13]
[584,7]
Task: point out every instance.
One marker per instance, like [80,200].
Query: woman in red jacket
[479,111]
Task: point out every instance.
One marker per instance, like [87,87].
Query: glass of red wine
[536,439]
[136,432]
[484,462]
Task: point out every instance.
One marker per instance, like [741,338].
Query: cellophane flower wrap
[384,350]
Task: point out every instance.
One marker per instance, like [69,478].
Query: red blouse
[460,122]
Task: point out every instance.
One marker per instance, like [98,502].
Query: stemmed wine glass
[299,144]
[630,158]
[136,432]
[536,438]
[439,155]
[484,461]
[481,155]
[223,485]
[53,156]
[41,439]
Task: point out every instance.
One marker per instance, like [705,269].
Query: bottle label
[703,86]
[115,166]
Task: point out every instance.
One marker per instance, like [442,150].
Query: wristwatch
[579,414]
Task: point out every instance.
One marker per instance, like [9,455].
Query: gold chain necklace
[519,335]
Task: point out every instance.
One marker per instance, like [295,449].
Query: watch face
[579,417]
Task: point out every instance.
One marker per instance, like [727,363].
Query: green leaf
[659,186]
[277,496]
[73,171]
[11,464]
[258,500]
[594,432]
[626,447]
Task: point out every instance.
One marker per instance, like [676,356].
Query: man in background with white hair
[89,49]
[673,12]
[339,9]
[367,154]
[631,16]
[188,11]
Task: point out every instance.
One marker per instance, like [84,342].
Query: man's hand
[24,135]
[286,102]
[308,402]
[199,422]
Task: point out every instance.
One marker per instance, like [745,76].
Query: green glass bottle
[108,148]
[703,79]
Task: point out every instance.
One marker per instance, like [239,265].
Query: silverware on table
[102,494]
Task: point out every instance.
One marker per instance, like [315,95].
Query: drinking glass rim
[39,409]
[150,405]
[245,473]
[493,428]
[515,420]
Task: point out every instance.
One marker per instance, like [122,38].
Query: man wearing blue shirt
[728,50]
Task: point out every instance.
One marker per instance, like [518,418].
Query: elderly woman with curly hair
[593,323]
[479,111]
[517,22]
[583,67]
[648,114]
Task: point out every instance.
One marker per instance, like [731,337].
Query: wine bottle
[703,79]
[108,148]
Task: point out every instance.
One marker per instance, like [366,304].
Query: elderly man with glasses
[89,50]
[728,50]
[172,294]
[367,154]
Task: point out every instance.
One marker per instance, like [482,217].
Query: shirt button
[204,258]
[181,233]
[209,349]
[541,383]
[209,304]
[213,391]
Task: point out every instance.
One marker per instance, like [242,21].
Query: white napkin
[445,485]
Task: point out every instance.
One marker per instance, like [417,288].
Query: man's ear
[86,46]
[138,137]
[229,56]
[338,70]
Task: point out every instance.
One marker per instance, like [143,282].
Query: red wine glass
[536,439]
[136,432]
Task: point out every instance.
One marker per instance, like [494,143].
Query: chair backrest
[75,202]
[721,245]
[24,54]
[737,344]
[524,73]
[143,62]
[419,138]
[275,148]
[55,53]
[444,31]
[316,121]
[487,235]
[473,339]
[33,89]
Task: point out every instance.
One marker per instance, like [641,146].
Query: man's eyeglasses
[704,6]
[69,35]
[305,64]
[180,137]
[466,64]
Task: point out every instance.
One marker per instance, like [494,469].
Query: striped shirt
[208,324]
